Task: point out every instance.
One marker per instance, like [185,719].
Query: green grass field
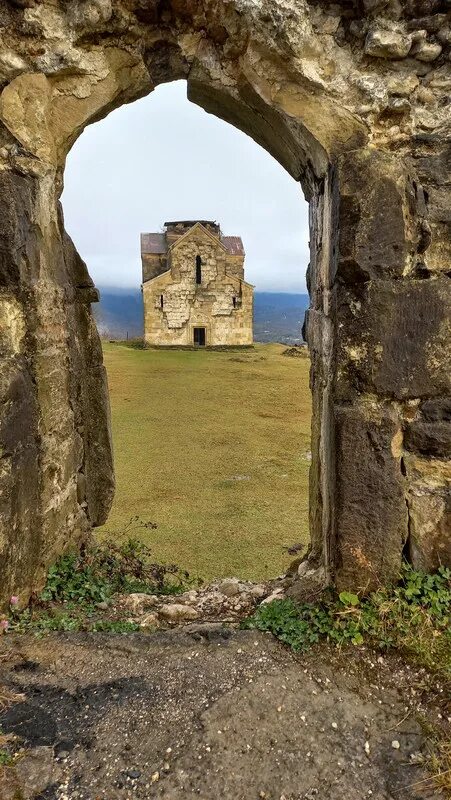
[214,448]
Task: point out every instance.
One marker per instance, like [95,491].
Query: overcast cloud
[164,158]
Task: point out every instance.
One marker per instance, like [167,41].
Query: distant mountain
[119,312]
[278,316]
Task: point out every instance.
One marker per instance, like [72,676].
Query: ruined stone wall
[353,99]
[153,264]
[235,266]
[187,305]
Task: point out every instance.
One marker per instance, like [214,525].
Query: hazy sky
[164,158]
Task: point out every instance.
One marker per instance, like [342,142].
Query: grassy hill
[213,447]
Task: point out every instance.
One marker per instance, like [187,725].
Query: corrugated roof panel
[233,244]
[153,243]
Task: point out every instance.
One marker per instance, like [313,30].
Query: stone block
[371,522]
[429,505]
[21,478]
[16,238]
[377,236]
[394,339]
[437,257]
[391,44]
[439,204]
[35,772]
[427,51]
[432,165]
[437,409]
[89,381]
[176,612]
[432,439]
[429,544]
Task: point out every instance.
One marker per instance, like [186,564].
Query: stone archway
[351,101]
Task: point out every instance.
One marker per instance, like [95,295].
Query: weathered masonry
[352,98]
[194,291]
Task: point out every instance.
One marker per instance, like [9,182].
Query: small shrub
[103,570]
[6,739]
[73,578]
[136,343]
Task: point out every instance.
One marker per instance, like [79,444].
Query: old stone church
[194,290]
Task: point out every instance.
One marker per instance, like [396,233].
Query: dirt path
[210,714]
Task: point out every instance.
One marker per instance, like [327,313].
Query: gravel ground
[211,713]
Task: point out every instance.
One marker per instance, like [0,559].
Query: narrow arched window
[198,269]
[161,301]
[234,301]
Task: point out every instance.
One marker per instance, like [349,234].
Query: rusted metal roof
[233,244]
[153,243]
[156,243]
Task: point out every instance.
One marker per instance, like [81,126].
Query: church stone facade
[194,290]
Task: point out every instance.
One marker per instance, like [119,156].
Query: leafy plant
[103,570]
[57,620]
[73,577]
[114,626]
[349,599]
[413,616]
[6,739]
[80,586]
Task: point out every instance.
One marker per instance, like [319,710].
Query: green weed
[413,616]
[80,586]
[6,758]
[114,626]
[103,570]
[42,622]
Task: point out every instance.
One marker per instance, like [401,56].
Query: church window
[161,301]
[198,269]
[234,301]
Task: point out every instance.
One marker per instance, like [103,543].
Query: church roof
[156,243]
[234,245]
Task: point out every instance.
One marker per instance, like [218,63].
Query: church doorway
[199,337]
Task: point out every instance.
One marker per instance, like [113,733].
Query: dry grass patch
[440,767]
[7,698]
